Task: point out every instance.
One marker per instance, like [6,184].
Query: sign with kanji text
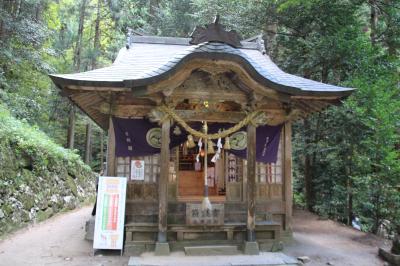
[110,213]
[137,170]
[196,216]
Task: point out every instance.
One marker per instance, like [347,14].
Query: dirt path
[59,241]
[327,241]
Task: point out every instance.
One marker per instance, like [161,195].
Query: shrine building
[209,117]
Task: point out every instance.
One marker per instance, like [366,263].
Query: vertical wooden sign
[110,213]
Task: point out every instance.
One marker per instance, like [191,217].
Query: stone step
[211,250]
[179,259]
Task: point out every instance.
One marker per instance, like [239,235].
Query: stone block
[211,250]
[389,257]
[304,259]
[162,249]
[89,228]
[251,248]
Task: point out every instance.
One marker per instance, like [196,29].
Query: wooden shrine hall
[210,116]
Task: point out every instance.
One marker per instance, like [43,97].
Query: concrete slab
[211,250]
[179,259]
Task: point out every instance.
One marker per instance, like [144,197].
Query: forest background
[346,159]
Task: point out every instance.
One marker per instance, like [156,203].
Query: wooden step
[211,250]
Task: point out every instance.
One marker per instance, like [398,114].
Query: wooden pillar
[71,128]
[111,150]
[163,182]
[251,182]
[88,144]
[101,151]
[288,173]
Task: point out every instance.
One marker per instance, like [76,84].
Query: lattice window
[151,167]
[173,165]
[123,166]
[233,168]
[271,172]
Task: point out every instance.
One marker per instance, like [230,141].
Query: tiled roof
[151,59]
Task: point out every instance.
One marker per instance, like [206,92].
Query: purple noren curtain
[140,137]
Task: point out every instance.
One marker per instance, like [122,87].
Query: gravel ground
[326,242]
[59,241]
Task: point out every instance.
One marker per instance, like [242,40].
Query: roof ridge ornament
[215,32]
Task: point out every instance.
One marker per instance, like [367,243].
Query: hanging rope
[250,118]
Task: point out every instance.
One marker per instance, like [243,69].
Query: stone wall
[38,178]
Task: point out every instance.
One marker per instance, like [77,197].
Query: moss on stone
[36,175]
[71,184]
[43,215]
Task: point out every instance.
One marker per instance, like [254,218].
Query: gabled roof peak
[215,32]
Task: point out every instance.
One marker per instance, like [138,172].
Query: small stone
[304,259]
[67,258]
[330,263]
[54,198]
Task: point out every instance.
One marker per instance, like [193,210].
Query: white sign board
[110,213]
[137,170]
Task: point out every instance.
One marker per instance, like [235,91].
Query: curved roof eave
[257,65]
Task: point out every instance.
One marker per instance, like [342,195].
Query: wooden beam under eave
[85,104]
[305,107]
[277,116]
[302,97]
[210,116]
[121,110]
[99,89]
[210,96]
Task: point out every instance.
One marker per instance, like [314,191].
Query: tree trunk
[324,73]
[153,6]
[88,146]
[391,26]
[373,20]
[77,65]
[78,47]
[271,29]
[349,199]
[71,128]
[308,170]
[96,40]
[38,11]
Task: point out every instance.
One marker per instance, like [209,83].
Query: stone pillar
[162,246]
[251,246]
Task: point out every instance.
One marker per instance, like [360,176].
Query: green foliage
[37,177]
[41,150]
